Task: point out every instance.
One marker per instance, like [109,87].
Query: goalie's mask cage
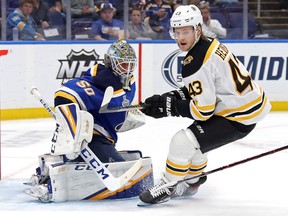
[121,58]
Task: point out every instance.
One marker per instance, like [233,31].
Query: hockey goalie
[83,163]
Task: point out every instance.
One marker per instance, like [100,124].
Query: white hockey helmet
[185,15]
[121,58]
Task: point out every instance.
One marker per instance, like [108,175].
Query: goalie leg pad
[72,181]
[45,161]
[73,127]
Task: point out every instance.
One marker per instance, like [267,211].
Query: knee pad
[183,146]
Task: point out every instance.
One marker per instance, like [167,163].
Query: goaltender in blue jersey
[63,175]
[88,92]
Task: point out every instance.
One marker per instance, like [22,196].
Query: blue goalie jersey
[88,92]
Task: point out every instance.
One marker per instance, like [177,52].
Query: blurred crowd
[104,20]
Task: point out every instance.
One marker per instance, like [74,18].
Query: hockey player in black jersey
[218,95]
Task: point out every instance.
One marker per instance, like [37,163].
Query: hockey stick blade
[108,94]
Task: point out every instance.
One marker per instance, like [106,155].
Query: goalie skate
[39,191]
[34,180]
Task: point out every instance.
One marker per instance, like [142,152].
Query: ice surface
[259,187]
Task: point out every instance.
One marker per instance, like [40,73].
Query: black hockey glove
[161,106]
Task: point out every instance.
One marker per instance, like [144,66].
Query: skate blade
[32,193]
[28,183]
[143,204]
[39,195]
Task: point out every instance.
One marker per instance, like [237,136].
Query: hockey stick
[105,109]
[90,158]
[224,167]
[107,98]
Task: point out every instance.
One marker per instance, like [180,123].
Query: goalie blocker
[58,181]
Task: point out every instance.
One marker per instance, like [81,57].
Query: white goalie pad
[77,181]
[46,160]
[134,119]
[73,127]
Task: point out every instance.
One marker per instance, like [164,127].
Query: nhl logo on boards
[76,64]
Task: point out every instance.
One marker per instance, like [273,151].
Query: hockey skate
[37,179]
[156,194]
[193,188]
[34,180]
[39,191]
[159,194]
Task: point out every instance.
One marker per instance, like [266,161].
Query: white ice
[258,187]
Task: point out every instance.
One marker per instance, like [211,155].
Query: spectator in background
[21,19]
[223,3]
[193,2]
[119,6]
[158,14]
[171,2]
[138,29]
[137,4]
[40,14]
[211,27]
[106,27]
[55,6]
[176,4]
[82,9]
[51,23]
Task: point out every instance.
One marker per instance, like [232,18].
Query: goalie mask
[121,58]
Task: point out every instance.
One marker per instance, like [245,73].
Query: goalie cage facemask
[121,58]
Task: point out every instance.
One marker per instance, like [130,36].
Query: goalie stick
[174,183]
[108,95]
[112,183]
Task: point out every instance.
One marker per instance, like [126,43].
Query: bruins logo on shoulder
[188,60]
